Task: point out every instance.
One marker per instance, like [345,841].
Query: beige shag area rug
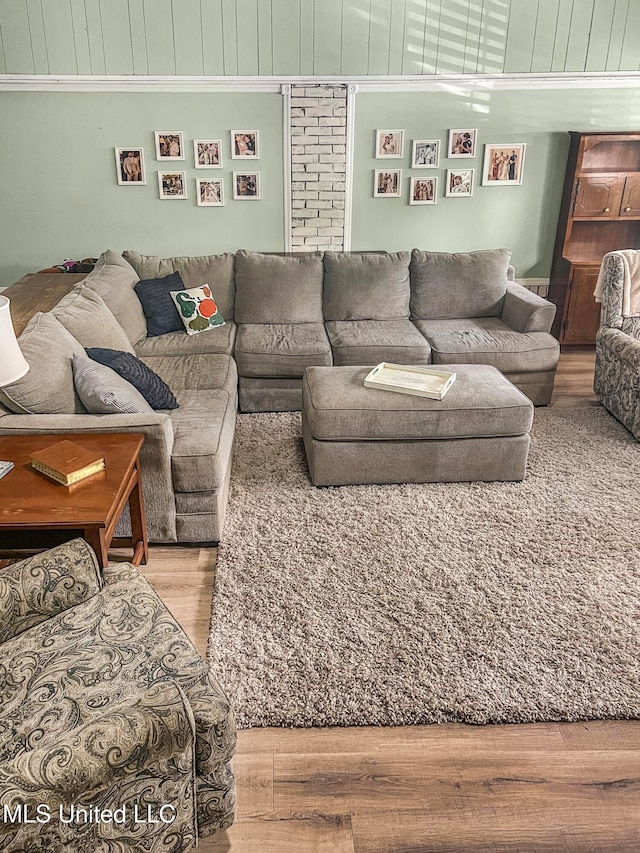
[474,602]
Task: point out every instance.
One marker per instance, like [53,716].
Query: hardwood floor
[552,787]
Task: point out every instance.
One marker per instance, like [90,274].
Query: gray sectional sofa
[283,313]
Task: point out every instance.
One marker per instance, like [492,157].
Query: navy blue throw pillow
[158,306]
[155,390]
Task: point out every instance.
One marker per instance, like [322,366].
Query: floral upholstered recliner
[617,371]
[114,735]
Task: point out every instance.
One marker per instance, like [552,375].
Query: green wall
[59,192]
[60,197]
[522,218]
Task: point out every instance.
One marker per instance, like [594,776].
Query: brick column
[318,167]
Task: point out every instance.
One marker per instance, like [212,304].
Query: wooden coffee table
[36,512]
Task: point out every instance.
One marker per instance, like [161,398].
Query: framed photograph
[210,193]
[172,185]
[459,182]
[425,154]
[389,143]
[130,167]
[423,190]
[169,145]
[462,143]
[246,185]
[244,143]
[503,164]
[386,183]
[207,153]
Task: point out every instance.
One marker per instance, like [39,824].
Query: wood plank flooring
[543,788]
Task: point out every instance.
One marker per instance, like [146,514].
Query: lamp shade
[13,364]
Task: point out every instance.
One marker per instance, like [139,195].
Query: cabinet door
[598,196]
[631,197]
[582,312]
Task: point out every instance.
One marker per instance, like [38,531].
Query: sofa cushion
[155,391]
[214,270]
[47,389]
[84,313]
[158,306]
[177,343]
[203,430]
[113,278]
[103,391]
[487,340]
[363,286]
[280,349]
[196,372]
[274,289]
[373,341]
[462,284]
[197,309]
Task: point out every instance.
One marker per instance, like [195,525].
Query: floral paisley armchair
[617,371]
[114,735]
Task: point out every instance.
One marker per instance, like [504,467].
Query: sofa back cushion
[47,389]
[366,286]
[84,313]
[277,289]
[113,278]
[453,286]
[214,270]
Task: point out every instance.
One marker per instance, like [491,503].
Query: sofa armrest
[614,345]
[39,587]
[525,311]
[132,736]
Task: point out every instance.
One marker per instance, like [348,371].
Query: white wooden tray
[406,379]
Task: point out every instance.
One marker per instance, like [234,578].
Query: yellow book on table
[67,462]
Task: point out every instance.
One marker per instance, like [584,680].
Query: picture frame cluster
[207,154]
[503,165]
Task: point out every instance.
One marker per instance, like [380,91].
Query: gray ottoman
[353,434]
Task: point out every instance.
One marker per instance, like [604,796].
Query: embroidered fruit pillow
[197,309]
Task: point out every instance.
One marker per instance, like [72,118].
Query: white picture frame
[210,192]
[499,168]
[423,190]
[172,185]
[245,145]
[130,170]
[246,186]
[389,144]
[425,154]
[207,154]
[169,145]
[459,183]
[462,142]
[387,183]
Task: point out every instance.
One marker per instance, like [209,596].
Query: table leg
[95,536]
[138,523]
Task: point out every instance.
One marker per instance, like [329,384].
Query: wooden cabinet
[582,314]
[600,212]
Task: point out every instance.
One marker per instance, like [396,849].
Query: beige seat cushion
[218,340]
[281,349]
[373,341]
[487,340]
[203,429]
[196,372]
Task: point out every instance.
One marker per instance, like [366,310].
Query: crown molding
[392,83]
